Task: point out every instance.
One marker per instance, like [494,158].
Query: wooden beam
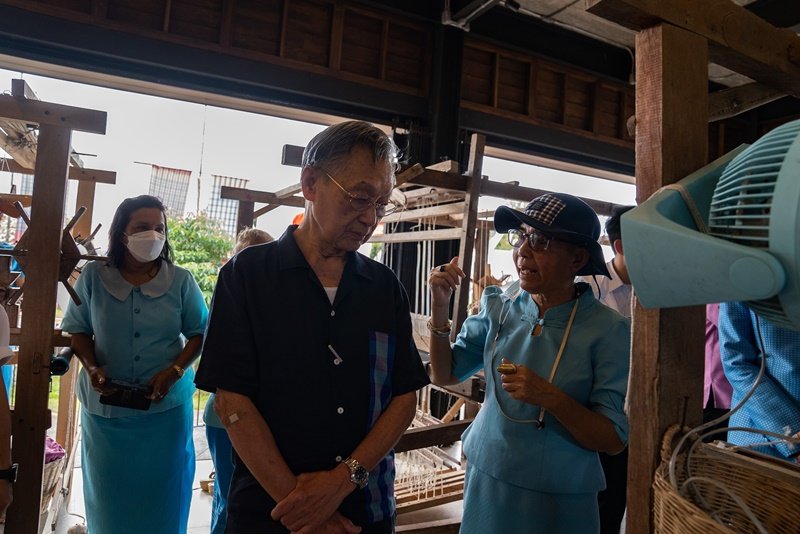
[671,142]
[411,237]
[408,174]
[244,215]
[75,173]
[424,213]
[31,416]
[466,247]
[738,39]
[15,146]
[428,436]
[457,182]
[66,423]
[21,89]
[36,111]
[730,102]
[445,166]
[289,190]
[248,195]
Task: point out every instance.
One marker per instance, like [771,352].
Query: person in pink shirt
[716,388]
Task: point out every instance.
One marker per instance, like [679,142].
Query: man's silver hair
[333,145]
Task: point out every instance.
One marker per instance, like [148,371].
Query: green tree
[200,245]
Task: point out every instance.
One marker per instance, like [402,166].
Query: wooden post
[67,401]
[667,358]
[466,248]
[31,416]
[244,215]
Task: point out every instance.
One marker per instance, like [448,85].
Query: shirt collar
[120,288]
[614,280]
[291,257]
[559,315]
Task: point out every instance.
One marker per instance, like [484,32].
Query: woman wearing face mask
[137,330]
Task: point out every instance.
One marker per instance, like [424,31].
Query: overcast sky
[206,140]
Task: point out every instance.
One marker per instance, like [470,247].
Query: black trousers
[613,499]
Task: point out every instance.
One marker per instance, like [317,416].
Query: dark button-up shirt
[320,374]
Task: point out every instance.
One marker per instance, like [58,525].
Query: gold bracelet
[440,331]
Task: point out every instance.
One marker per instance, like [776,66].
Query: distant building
[171,186]
[225,210]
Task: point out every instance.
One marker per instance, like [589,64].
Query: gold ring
[507,368]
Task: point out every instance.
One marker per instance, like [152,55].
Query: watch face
[360,476]
[358,473]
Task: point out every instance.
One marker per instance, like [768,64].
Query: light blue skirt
[138,471]
[492,506]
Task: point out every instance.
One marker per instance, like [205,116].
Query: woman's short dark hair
[116,248]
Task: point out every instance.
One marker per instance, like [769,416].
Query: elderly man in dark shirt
[310,351]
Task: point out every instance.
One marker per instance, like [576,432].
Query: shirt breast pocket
[381,361]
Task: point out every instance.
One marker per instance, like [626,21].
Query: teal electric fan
[728,232]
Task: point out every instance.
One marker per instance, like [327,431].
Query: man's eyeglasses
[536,240]
[360,204]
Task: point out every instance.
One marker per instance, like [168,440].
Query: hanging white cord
[699,434]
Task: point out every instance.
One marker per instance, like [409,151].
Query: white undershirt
[331,291]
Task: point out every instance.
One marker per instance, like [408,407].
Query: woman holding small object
[556,365]
[137,330]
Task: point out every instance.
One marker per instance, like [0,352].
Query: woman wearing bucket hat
[556,371]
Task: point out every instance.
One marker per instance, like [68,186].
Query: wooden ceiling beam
[730,102]
[81,174]
[248,195]
[738,39]
[36,111]
[458,182]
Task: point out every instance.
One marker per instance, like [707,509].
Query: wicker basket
[50,478]
[768,488]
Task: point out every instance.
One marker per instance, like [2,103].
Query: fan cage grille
[742,203]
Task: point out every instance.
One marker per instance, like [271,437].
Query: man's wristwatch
[9,474]
[358,473]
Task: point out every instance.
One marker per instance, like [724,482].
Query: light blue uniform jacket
[593,371]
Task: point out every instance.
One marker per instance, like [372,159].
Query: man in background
[614,292]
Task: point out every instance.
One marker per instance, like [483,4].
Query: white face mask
[146,246]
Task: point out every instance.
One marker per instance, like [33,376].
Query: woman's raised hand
[444,279]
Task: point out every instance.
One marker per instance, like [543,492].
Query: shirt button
[333,312]
[340,410]
[136,334]
[136,289]
[338,458]
[136,358]
[136,310]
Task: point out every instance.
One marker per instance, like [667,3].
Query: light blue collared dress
[521,479]
[138,466]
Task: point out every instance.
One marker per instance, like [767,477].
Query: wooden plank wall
[503,82]
[330,37]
